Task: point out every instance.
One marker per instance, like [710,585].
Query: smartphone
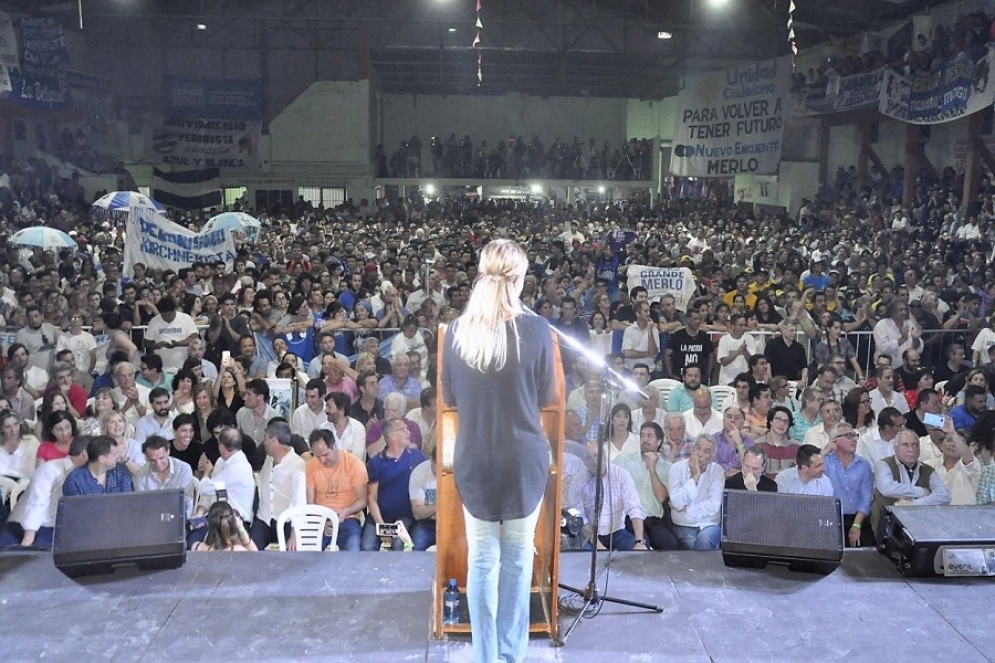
[225,358]
[387,529]
[936,420]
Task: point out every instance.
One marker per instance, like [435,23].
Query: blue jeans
[370,540]
[694,538]
[423,534]
[11,534]
[499,583]
[621,539]
[350,534]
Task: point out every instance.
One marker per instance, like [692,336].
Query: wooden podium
[451,549]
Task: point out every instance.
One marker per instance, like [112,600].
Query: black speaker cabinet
[915,537]
[804,532]
[94,534]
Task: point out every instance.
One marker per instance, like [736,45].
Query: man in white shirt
[897,333]
[640,342]
[901,479]
[132,398]
[234,471]
[32,522]
[808,476]
[163,472]
[169,334]
[282,484]
[701,419]
[695,485]
[311,414]
[425,415]
[735,350]
[350,435]
[255,416]
[958,467]
[879,443]
[158,421]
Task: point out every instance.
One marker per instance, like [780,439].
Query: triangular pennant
[794,49]
[476,40]
[479,24]
[791,34]
[791,7]
[790,22]
[478,5]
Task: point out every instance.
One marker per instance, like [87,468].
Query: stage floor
[273,606]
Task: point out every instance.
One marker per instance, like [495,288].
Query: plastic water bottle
[450,603]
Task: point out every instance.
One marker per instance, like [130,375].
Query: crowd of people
[813,355]
[517,158]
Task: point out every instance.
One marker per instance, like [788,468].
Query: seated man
[158,420]
[103,472]
[423,493]
[751,476]
[901,479]
[701,419]
[853,483]
[350,436]
[975,401]
[32,522]
[163,472]
[311,414]
[649,469]
[281,485]
[695,486]
[649,409]
[399,381]
[132,398]
[879,443]
[808,476]
[620,506]
[152,375]
[234,471]
[338,481]
[680,396]
[369,407]
[425,415]
[394,408]
[957,466]
[389,474]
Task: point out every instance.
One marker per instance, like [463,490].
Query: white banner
[157,242]
[730,122]
[199,143]
[8,43]
[660,281]
[5,85]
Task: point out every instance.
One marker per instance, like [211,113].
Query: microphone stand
[593,599]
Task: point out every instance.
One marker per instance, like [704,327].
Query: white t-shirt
[81,345]
[727,346]
[984,340]
[179,329]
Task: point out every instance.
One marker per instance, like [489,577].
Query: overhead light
[451,30]
[601,189]
[663,34]
[201,26]
[536,189]
[430,189]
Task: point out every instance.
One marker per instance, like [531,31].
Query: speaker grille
[779,525]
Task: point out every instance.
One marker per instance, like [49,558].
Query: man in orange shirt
[338,481]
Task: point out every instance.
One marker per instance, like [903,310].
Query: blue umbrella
[126,200]
[236,221]
[45,237]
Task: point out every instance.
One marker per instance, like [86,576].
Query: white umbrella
[237,221]
[45,237]
[126,200]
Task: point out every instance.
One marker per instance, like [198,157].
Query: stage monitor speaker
[804,532]
[917,538]
[95,534]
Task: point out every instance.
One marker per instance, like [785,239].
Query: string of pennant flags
[791,33]
[476,45]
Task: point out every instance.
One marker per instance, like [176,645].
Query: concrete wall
[646,119]
[327,124]
[493,118]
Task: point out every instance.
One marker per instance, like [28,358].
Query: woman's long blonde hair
[480,336]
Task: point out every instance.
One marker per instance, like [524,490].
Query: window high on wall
[319,195]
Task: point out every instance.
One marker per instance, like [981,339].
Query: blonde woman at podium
[498,372]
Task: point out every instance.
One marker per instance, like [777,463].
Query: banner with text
[660,281]
[730,122]
[40,81]
[8,43]
[217,99]
[959,87]
[198,143]
[843,93]
[159,243]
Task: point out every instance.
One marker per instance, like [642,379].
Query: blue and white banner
[660,281]
[157,242]
[216,99]
[844,93]
[959,87]
[731,122]
[187,189]
[40,82]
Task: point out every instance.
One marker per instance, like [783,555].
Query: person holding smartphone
[501,457]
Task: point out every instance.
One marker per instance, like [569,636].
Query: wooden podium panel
[451,548]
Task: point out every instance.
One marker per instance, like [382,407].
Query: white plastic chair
[308,522]
[15,493]
[723,396]
[664,386]
[941,388]
[793,388]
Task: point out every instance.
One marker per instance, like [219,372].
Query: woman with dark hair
[921,379]
[767,316]
[777,444]
[297,328]
[60,429]
[982,438]
[601,334]
[52,401]
[183,385]
[225,532]
[621,439]
[857,410]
